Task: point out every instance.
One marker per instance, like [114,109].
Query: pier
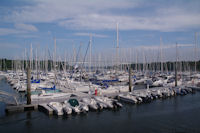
[20,108]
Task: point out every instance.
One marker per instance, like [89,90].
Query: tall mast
[23,56]
[36,64]
[38,61]
[65,61]
[55,61]
[26,59]
[46,62]
[161,55]
[74,55]
[55,53]
[117,48]
[31,57]
[99,59]
[143,67]
[1,64]
[195,52]
[176,64]
[90,53]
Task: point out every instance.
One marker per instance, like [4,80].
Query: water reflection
[28,121]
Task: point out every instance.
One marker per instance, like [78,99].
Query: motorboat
[91,103]
[66,108]
[83,107]
[107,103]
[128,98]
[74,104]
[57,107]
[117,104]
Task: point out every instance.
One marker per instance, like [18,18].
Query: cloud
[103,14]
[92,34]
[27,27]
[51,10]
[8,31]
[163,23]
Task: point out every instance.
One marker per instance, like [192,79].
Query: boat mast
[1,64]
[99,61]
[46,61]
[54,53]
[55,60]
[90,53]
[22,65]
[136,61]
[31,57]
[195,52]
[36,61]
[143,64]
[65,61]
[161,55]
[117,48]
[74,58]
[176,64]
[25,59]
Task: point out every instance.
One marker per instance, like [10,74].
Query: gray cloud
[27,27]
[103,14]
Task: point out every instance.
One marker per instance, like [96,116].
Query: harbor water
[179,114]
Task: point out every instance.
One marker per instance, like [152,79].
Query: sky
[143,26]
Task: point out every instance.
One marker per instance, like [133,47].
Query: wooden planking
[20,108]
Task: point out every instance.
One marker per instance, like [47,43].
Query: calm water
[173,115]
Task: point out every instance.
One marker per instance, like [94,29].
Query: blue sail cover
[35,81]
[52,88]
[103,84]
[114,80]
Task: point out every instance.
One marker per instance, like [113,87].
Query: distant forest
[7,64]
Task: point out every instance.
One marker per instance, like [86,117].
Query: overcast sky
[141,24]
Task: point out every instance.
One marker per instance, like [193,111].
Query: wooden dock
[20,108]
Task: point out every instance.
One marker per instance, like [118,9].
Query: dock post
[28,85]
[130,79]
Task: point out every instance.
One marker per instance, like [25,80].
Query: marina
[169,114]
[65,101]
[119,92]
[127,66]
